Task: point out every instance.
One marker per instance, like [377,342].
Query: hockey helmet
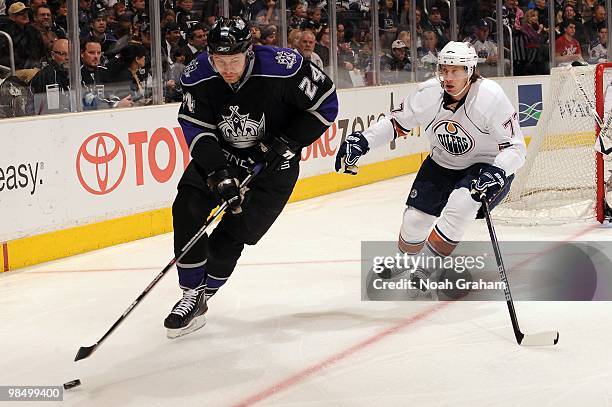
[458,53]
[229,36]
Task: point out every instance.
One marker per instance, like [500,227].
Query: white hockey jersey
[484,129]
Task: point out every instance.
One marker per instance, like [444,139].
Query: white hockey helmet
[458,53]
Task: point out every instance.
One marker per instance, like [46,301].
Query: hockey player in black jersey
[242,105]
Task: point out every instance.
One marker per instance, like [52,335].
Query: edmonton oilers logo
[453,137]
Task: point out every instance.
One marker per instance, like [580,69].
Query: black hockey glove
[274,153]
[489,182]
[349,152]
[227,188]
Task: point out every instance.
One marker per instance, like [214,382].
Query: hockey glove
[227,188]
[488,184]
[274,153]
[349,152]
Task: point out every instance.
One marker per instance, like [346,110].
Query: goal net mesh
[557,184]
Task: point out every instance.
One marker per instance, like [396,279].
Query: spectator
[28,45]
[404,14]
[293,38]
[197,41]
[314,14]
[437,25]
[514,15]
[298,15]
[51,85]
[364,57]
[542,8]
[123,33]
[527,42]
[395,67]
[485,48]
[388,20]
[582,36]
[427,56]
[168,17]
[306,46]
[567,48]
[185,17]
[42,22]
[356,39]
[60,24]
[255,33]
[340,33]
[172,37]
[268,35]
[130,75]
[597,21]
[419,24]
[85,7]
[269,15]
[95,77]
[586,9]
[98,32]
[473,12]
[174,90]
[322,45]
[252,9]
[598,52]
[138,10]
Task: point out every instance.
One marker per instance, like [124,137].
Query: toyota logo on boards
[103,159]
[101,163]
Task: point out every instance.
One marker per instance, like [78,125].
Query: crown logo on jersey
[240,131]
[286,58]
[190,68]
[453,137]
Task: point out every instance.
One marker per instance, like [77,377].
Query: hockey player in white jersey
[476,147]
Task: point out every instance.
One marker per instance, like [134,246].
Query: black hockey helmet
[229,36]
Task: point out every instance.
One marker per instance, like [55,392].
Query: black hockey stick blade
[85,352]
[548,338]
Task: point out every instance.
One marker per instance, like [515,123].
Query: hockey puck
[71,384]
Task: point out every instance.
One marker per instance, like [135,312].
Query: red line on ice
[337,357]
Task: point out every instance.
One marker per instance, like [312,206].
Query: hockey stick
[540,339]
[86,351]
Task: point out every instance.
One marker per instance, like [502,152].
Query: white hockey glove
[349,152]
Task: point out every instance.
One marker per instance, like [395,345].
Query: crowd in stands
[115,42]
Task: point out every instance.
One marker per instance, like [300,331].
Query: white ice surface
[289,328]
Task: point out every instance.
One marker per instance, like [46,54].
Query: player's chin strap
[461,91]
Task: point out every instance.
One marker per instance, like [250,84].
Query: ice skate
[419,282]
[188,314]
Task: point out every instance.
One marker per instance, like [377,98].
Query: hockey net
[562,180]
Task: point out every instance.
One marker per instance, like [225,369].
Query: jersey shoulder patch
[276,62]
[198,70]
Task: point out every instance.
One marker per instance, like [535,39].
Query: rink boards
[79,182]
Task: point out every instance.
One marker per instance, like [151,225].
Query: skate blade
[194,325]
